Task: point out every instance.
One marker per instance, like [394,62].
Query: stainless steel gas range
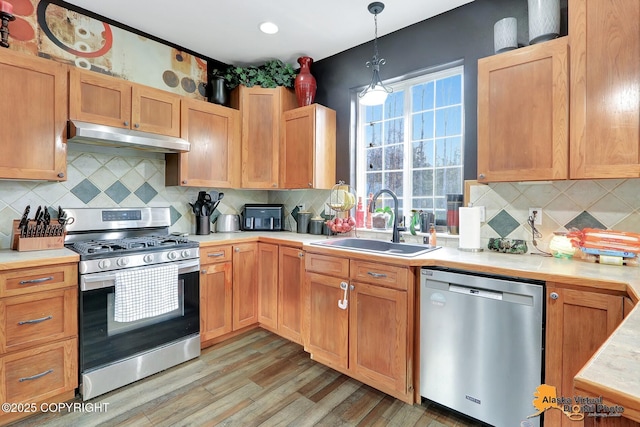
[139,295]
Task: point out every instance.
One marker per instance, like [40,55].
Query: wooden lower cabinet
[290,283]
[368,336]
[216,290]
[326,325]
[38,337]
[245,285]
[378,335]
[268,286]
[578,323]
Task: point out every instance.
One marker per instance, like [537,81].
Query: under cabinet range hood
[94,134]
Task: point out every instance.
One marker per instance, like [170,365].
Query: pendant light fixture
[376,92]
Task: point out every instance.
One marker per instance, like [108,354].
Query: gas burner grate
[128,244]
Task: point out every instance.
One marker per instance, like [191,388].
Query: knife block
[23,244]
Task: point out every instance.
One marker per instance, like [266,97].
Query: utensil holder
[203,225]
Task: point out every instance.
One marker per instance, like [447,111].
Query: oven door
[104,341]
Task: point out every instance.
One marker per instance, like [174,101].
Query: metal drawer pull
[42,279]
[36,376]
[32,321]
[376,275]
[217,254]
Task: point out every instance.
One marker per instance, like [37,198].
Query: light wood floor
[255,379]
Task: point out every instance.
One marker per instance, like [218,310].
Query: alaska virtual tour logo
[576,407]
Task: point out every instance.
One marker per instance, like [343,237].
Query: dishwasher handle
[475,292]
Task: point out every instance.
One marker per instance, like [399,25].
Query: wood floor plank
[254,379]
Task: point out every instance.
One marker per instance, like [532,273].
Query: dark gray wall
[465,33]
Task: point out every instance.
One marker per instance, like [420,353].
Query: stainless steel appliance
[256,217]
[132,243]
[481,344]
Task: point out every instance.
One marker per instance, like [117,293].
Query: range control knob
[185,253]
[122,262]
[172,255]
[147,258]
[104,263]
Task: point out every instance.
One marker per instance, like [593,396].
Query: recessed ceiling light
[268,28]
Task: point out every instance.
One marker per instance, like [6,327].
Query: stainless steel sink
[377,246]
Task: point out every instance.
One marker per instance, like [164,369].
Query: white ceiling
[227,30]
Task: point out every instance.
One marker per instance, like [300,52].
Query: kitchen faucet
[396,232]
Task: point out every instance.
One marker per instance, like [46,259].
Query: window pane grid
[414,146]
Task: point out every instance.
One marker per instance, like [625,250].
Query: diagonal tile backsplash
[610,204]
[100,177]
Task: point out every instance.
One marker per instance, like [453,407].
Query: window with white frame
[413,143]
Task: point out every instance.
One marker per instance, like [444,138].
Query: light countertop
[613,372]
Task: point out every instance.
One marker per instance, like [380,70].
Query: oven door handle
[90,282]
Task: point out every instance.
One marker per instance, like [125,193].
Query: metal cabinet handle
[203,271]
[274,185]
[61,175]
[376,275]
[36,376]
[236,249]
[184,182]
[126,123]
[481,176]
[136,125]
[310,185]
[554,295]
[215,255]
[32,321]
[42,279]
[300,254]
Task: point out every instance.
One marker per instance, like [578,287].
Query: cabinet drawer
[380,274]
[28,320]
[27,280]
[325,264]
[39,373]
[215,254]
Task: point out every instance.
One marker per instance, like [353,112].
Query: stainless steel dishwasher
[481,344]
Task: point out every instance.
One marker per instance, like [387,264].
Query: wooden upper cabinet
[261,110]
[110,101]
[214,157]
[523,99]
[605,88]
[308,148]
[34,117]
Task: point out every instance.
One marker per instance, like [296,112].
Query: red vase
[305,83]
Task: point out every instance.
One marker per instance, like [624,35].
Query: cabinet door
[291,280]
[216,292]
[378,336]
[261,111]
[214,157]
[268,286]
[245,285]
[326,326]
[96,98]
[307,148]
[34,117]
[155,110]
[523,114]
[578,322]
[605,101]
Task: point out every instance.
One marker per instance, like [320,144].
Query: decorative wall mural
[49,30]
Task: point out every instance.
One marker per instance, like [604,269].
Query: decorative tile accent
[503,223]
[584,220]
[146,192]
[117,192]
[175,215]
[85,191]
